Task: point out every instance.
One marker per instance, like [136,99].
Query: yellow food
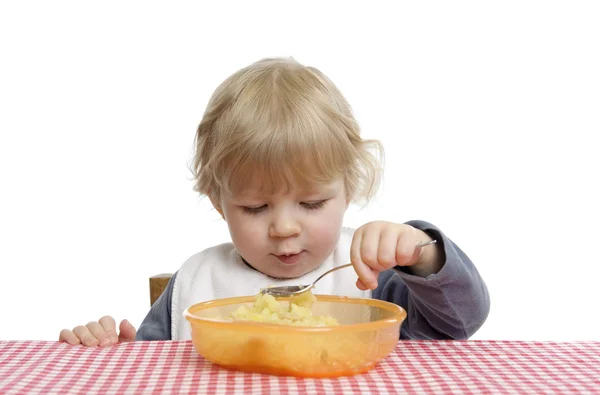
[296,312]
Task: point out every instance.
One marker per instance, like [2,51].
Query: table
[170,367]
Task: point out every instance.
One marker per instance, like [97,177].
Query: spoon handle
[332,270]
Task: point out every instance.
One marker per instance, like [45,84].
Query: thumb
[126,332]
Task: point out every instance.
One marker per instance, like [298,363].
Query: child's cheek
[251,228]
[328,228]
[243,229]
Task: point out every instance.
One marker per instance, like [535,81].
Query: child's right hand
[102,333]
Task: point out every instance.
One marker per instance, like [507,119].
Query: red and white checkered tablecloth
[498,367]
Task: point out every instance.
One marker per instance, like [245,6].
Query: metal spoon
[291,290]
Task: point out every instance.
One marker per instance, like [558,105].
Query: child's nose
[284,226]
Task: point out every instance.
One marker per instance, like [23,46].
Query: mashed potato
[297,312]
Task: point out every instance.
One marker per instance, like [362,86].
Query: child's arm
[450,304]
[157,324]
[437,285]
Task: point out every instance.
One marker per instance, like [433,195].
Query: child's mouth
[290,259]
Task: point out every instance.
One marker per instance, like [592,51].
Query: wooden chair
[158,284]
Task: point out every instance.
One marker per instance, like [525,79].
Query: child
[280,156]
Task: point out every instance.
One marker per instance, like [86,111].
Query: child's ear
[217,206]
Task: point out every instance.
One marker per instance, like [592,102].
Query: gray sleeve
[451,304]
[157,324]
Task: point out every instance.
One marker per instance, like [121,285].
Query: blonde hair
[285,123]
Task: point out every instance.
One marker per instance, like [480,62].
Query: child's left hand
[378,246]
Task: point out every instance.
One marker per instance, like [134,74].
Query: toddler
[279,154]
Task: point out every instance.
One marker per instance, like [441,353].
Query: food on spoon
[297,312]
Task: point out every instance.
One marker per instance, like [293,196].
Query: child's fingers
[86,337]
[369,246]
[102,333]
[407,252]
[386,251]
[110,328]
[360,285]
[364,272]
[126,332]
[99,333]
[68,337]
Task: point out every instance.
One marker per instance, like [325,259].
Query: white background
[487,113]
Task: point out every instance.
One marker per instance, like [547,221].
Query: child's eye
[313,205]
[254,210]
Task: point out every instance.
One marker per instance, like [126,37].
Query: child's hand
[102,333]
[378,246]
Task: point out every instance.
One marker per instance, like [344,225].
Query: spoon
[291,290]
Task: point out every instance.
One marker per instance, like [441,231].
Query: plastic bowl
[369,330]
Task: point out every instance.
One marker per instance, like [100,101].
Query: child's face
[290,233]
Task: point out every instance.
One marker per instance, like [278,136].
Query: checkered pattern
[428,367]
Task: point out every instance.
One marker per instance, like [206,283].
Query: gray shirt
[451,304]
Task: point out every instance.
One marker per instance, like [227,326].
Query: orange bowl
[369,330]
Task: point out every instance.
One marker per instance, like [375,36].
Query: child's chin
[288,272]
[294,271]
